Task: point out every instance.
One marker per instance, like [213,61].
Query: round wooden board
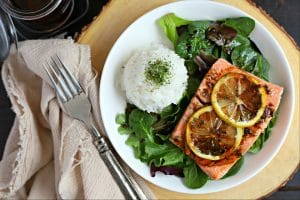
[118,14]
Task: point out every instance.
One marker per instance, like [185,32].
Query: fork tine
[61,82]
[70,75]
[65,76]
[57,88]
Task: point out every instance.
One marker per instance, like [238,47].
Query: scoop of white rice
[146,95]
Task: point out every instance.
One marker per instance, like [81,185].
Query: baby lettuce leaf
[156,150]
[140,122]
[193,40]
[136,144]
[243,25]
[167,119]
[235,169]
[194,177]
[124,130]
[121,119]
[169,23]
[163,154]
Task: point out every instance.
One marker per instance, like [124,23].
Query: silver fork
[76,104]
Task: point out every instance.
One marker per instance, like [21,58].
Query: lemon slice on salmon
[209,137]
[238,99]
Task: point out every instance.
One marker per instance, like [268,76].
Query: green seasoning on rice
[158,72]
[154,78]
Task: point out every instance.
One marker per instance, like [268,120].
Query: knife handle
[128,186]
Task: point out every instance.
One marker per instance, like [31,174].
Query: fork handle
[128,186]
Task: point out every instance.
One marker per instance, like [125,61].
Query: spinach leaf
[244,57]
[140,122]
[271,125]
[169,23]
[235,169]
[193,84]
[243,25]
[261,68]
[191,67]
[257,146]
[194,177]
[199,28]
[239,40]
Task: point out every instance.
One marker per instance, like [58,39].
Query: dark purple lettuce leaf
[167,170]
[221,34]
[203,67]
[209,59]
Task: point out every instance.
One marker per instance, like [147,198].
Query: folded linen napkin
[48,154]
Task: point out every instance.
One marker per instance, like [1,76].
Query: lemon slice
[209,137]
[238,99]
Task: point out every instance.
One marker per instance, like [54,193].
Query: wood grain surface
[285,12]
[113,20]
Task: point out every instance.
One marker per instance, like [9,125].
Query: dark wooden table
[285,12]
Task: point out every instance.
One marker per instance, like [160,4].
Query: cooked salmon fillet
[217,169]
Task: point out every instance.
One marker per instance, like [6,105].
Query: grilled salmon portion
[216,169]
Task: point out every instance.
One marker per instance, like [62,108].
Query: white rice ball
[144,93]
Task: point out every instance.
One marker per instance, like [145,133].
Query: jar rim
[8,34]
[29,15]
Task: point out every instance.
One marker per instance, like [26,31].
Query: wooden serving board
[119,14]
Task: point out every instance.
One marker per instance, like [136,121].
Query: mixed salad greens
[200,43]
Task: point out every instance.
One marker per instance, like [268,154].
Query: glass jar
[33,18]
[8,34]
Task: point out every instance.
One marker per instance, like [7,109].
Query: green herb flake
[158,72]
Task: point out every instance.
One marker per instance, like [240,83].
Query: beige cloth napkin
[48,154]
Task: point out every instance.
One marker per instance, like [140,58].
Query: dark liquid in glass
[30,5]
[46,23]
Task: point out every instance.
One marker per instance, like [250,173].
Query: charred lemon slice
[238,99]
[209,137]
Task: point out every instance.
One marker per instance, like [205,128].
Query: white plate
[145,31]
